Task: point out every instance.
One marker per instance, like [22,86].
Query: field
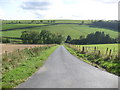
[15,26]
[14,47]
[74,30]
[45,21]
[103,47]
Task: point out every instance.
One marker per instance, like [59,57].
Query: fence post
[95,48]
[86,49]
[106,51]
[83,49]
[99,52]
[110,52]
[5,53]
[18,50]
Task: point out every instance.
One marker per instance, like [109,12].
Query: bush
[4,40]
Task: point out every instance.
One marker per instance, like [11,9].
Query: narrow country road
[63,70]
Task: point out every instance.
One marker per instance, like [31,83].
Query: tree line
[43,37]
[92,38]
[113,25]
[28,21]
[47,37]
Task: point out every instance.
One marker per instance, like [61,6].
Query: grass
[74,30]
[19,74]
[108,63]
[74,52]
[14,26]
[103,47]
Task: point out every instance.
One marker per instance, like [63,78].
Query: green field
[103,47]
[74,30]
[14,26]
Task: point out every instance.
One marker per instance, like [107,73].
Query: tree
[41,21]
[94,38]
[53,21]
[82,37]
[4,40]
[82,22]
[59,39]
[68,39]
[28,37]
[113,25]
[44,37]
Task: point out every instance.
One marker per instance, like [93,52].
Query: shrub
[4,40]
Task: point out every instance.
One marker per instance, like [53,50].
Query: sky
[59,9]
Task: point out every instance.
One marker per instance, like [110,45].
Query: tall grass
[19,68]
[14,59]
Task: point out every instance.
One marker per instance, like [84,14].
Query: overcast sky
[59,9]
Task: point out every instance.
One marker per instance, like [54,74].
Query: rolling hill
[74,30]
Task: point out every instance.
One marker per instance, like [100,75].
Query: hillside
[74,30]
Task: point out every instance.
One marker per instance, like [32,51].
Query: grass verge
[109,65]
[19,74]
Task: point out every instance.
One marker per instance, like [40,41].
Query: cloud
[108,1]
[60,9]
[2,13]
[32,5]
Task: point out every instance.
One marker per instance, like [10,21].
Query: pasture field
[15,26]
[74,30]
[103,47]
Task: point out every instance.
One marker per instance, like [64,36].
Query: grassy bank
[26,68]
[105,63]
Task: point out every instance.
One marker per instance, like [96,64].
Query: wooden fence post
[110,52]
[94,48]
[79,47]
[5,53]
[99,52]
[83,49]
[106,51]
[18,50]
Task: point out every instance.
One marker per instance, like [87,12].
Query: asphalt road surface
[63,70]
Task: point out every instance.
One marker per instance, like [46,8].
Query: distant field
[103,47]
[14,26]
[74,30]
[46,21]
[73,21]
